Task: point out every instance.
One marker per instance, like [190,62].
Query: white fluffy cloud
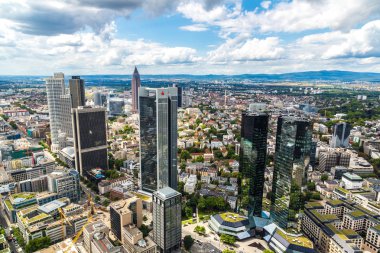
[194,28]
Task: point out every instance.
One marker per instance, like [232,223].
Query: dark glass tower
[77,93]
[158,138]
[340,136]
[135,85]
[90,139]
[179,99]
[253,150]
[292,158]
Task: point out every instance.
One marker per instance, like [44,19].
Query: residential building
[90,230]
[254,133]
[191,184]
[90,139]
[293,144]
[167,219]
[158,138]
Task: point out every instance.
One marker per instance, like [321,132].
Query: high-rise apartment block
[90,139]
[254,132]
[76,86]
[167,219]
[292,158]
[340,135]
[135,85]
[158,138]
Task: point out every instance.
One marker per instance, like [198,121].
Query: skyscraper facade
[158,138]
[340,136]
[292,158]
[179,99]
[135,85]
[55,88]
[65,118]
[100,99]
[167,219]
[254,133]
[90,139]
[76,86]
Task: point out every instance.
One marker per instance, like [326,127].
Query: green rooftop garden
[325,217]
[335,202]
[313,204]
[377,227]
[39,217]
[23,195]
[142,196]
[231,217]
[9,205]
[342,190]
[357,214]
[344,234]
[296,240]
[7,250]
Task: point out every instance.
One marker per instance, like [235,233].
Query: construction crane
[92,211]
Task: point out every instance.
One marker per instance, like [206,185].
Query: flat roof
[51,206]
[166,193]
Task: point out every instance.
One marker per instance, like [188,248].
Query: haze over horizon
[226,37]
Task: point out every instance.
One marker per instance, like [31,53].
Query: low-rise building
[351,181]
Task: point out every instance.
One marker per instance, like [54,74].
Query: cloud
[356,43]
[243,49]
[194,28]
[265,4]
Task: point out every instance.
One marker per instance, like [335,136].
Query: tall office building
[340,135]
[90,139]
[179,99]
[55,88]
[100,99]
[125,212]
[158,138]
[167,219]
[292,158]
[135,85]
[76,86]
[254,133]
[65,119]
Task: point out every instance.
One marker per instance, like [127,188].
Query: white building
[351,181]
[191,183]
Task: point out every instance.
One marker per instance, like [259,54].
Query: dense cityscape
[161,165]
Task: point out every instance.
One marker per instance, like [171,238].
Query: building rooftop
[352,177]
[296,240]
[335,202]
[52,206]
[166,193]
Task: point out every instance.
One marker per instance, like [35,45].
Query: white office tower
[55,88]
[65,119]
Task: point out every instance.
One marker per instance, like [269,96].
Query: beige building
[90,230]
[134,241]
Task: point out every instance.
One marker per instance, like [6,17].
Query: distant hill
[110,80]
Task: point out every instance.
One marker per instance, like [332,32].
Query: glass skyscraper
[340,136]
[76,86]
[135,85]
[158,138]
[292,158]
[253,150]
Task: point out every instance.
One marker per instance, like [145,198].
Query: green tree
[37,244]
[145,230]
[228,251]
[200,230]
[324,177]
[19,237]
[311,186]
[202,203]
[185,155]
[189,212]
[181,187]
[188,242]
[228,239]
[106,202]
[97,199]
[199,159]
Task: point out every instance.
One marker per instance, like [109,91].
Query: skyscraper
[340,135]
[65,119]
[254,132]
[179,99]
[76,86]
[135,84]
[90,139]
[100,99]
[292,158]
[158,138]
[167,219]
[55,88]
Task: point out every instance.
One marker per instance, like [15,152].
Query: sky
[188,36]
